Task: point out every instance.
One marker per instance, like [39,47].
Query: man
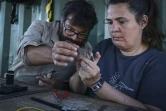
[51,48]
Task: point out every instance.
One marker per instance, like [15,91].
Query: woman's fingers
[97,57]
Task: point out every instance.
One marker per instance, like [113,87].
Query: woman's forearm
[76,84]
[107,92]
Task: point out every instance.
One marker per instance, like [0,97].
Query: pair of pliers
[59,96]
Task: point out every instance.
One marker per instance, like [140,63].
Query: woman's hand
[89,72]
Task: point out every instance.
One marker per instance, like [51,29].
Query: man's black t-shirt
[142,77]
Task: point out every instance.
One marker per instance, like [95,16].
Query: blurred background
[17,15]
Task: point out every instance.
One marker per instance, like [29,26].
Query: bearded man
[47,50]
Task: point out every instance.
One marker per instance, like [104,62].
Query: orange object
[60,96]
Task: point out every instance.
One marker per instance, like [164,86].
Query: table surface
[72,100]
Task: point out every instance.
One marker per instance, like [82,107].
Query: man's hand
[46,81]
[52,83]
[64,52]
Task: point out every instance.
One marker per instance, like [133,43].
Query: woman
[131,64]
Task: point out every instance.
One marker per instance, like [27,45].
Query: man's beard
[63,38]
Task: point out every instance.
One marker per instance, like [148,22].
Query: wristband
[97,85]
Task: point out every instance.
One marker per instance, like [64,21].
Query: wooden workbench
[73,100]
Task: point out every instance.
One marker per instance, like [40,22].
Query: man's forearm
[76,85]
[38,55]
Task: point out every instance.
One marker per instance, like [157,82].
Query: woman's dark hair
[151,34]
[83,12]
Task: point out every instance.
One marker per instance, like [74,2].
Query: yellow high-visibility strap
[24,108]
[49,11]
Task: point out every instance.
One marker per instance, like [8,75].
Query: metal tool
[61,108]
[59,96]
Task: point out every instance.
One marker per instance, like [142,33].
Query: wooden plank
[73,100]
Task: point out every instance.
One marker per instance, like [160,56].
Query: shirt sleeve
[31,37]
[152,90]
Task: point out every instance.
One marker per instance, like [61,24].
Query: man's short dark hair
[83,13]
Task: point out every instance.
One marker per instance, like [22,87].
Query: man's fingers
[61,64]
[44,80]
[67,52]
[62,58]
[63,44]
[76,46]
[63,52]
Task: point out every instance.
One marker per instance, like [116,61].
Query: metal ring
[84,65]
